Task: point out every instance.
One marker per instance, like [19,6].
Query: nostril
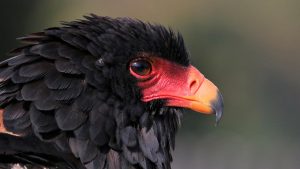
[194,85]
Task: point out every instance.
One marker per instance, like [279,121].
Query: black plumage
[32,153]
[70,89]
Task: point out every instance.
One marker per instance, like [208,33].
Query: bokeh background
[249,48]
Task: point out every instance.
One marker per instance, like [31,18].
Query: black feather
[16,118]
[98,135]
[34,38]
[98,163]
[81,132]
[69,52]
[68,118]
[129,136]
[56,80]
[6,73]
[14,111]
[34,91]
[22,59]
[31,152]
[42,122]
[65,66]
[35,69]
[48,103]
[149,144]
[9,89]
[72,92]
[47,50]
[16,78]
[83,149]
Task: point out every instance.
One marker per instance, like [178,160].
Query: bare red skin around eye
[179,86]
[167,79]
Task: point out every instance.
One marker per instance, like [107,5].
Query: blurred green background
[249,48]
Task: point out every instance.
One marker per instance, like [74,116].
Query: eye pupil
[141,67]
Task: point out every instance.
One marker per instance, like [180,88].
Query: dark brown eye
[140,67]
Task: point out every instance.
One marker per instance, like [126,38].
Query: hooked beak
[207,99]
[199,94]
[182,87]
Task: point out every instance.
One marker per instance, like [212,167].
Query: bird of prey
[98,93]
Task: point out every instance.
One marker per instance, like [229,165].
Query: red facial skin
[180,86]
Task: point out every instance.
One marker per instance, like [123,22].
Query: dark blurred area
[249,49]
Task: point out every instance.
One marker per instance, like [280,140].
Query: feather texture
[69,91]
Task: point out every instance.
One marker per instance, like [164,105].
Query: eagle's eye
[140,67]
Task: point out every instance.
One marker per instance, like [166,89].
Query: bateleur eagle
[99,93]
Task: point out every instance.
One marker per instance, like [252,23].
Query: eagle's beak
[183,87]
[207,99]
[200,95]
